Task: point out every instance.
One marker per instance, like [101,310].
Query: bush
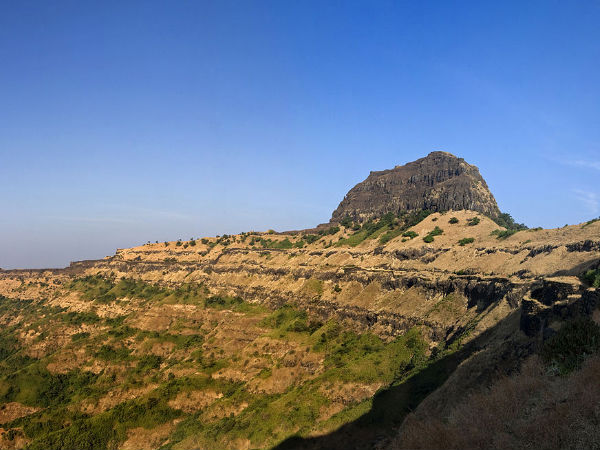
[109,353]
[436,231]
[148,362]
[503,234]
[80,336]
[466,241]
[219,302]
[453,220]
[410,234]
[346,222]
[505,220]
[288,318]
[573,343]
[473,221]
[310,238]
[592,277]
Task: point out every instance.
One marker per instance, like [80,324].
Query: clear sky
[123,122]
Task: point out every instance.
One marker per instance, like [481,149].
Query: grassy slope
[125,355]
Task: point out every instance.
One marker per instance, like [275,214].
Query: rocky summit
[438,182]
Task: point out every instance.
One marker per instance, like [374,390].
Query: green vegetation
[453,220]
[34,385]
[589,222]
[346,222]
[110,353]
[219,302]
[105,290]
[592,277]
[503,234]
[505,220]
[310,238]
[103,431]
[197,341]
[473,221]
[410,234]
[430,236]
[466,241]
[572,344]
[289,319]
[79,318]
[270,243]
[386,228]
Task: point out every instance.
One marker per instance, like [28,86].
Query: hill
[324,338]
[438,182]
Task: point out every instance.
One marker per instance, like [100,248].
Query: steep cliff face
[438,182]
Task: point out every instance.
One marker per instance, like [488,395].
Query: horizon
[128,123]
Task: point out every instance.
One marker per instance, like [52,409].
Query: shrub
[428,238]
[410,234]
[453,220]
[573,343]
[333,230]
[436,231]
[310,238]
[148,362]
[109,353]
[192,242]
[503,234]
[346,222]
[80,336]
[386,238]
[473,221]
[505,220]
[466,241]
[219,302]
[592,277]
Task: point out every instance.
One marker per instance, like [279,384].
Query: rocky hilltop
[438,182]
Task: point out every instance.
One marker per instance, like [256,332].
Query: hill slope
[243,341]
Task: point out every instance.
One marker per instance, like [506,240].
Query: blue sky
[122,122]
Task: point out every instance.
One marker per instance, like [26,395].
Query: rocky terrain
[438,182]
[323,338]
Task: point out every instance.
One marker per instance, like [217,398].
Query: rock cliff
[438,182]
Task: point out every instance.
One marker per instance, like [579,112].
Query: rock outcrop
[438,182]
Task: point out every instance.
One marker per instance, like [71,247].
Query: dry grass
[531,410]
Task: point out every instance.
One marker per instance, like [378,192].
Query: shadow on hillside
[390,406]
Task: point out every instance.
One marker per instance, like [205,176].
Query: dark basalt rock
[438,182]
